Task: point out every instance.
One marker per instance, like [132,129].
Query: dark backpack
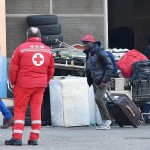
[112,58]
[141,70]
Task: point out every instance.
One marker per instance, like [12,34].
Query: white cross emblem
[38,59]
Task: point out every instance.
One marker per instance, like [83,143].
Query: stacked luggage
[140,81]
[126,61]
[135,66]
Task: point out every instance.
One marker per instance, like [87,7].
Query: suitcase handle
[133,114]
[108,97]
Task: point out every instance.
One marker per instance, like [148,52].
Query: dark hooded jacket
[99,67]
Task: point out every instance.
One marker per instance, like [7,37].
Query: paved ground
[84,138]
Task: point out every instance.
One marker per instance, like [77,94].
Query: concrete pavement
[84,138]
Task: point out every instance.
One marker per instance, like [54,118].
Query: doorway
[121,23]
[128,23]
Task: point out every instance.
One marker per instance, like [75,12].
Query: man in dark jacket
[99,69]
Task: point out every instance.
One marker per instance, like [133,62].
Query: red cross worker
[31,68]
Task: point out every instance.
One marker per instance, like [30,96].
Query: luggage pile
[126,61]
[140,81]
[135,67]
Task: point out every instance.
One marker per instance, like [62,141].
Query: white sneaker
[104,126]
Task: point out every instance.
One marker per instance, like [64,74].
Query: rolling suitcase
[123,110]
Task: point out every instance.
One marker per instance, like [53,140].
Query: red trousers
[22,97]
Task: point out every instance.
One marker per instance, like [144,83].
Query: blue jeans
[6,113]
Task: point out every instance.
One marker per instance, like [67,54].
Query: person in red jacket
[31,68]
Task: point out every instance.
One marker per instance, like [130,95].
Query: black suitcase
[123,110]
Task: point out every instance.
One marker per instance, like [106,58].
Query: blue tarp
[3,76]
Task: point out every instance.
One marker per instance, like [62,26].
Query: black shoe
[13,141]
[32,142]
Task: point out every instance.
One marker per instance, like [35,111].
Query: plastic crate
[141,90]
[119,84]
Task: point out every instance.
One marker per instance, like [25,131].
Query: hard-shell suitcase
[123,110]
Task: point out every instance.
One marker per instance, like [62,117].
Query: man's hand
[102,85]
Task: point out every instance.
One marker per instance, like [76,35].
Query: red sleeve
[51,69]
[14,66]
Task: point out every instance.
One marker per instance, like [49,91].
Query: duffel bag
[141,70]
[126,61]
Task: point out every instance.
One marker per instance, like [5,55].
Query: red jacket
[32,64]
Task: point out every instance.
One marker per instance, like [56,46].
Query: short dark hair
[33,32]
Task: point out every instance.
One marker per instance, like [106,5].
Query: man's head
[33,32]
[88,42]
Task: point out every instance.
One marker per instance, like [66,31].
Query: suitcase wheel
[120,125]
[135,126]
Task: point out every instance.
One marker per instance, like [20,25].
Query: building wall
[77,18]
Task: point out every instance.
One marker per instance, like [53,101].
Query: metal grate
[141,90]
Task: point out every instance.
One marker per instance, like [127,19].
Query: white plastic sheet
[69,101]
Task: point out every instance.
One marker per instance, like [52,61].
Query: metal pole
[106,23]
